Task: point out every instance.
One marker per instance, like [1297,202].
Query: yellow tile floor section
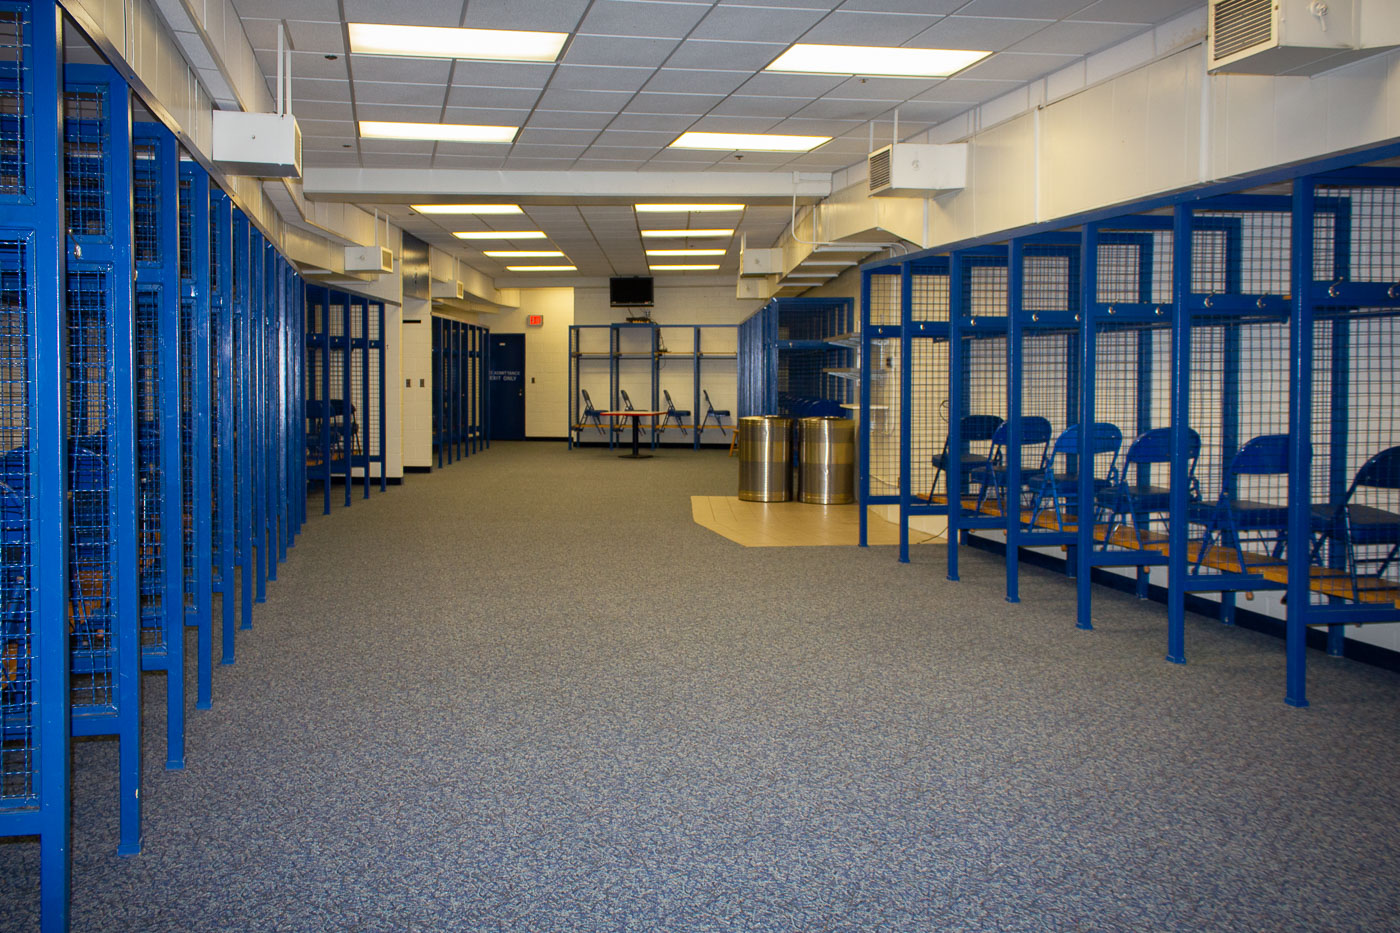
[792,524]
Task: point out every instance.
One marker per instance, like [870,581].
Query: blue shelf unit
[344,386]
[797,358]
[648,362]
[35,656]
[1208,381]
[461,404]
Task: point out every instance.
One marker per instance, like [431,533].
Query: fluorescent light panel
[682,268]
[542,268]
[500,235]
[806,58]
[748,142]
[686,252]
[523,253]
[685,208]
[445,132]
[698,232]
[501,45]
[467,208]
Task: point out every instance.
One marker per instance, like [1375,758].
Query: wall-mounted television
[630,291]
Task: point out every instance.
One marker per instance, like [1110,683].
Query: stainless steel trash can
[828,457]
[765,459]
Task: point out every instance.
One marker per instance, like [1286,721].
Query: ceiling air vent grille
[878,168]
[1240,24]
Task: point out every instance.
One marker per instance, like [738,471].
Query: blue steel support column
[952,474]
[1180,422]
[906,360]
[383,436]
[200,402]
[1015,282]
[347,435]
[369,356]
[47,466]
[257,406]
[221,209]
[864,494]
[1146,261]
[1088,339]
[1300,337]
[242,244]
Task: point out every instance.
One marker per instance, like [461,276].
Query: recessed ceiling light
[685,208]
[467,208]
[748,142]
[500,235]
[502,45]
[523,253]
[697,232]
[450,132]
[542,268]
[686,252]
[682,268]
[874,60]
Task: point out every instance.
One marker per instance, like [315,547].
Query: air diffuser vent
[1240,24]
[878,166]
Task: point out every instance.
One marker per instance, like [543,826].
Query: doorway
[507,387]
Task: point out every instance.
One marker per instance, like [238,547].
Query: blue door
[507,387]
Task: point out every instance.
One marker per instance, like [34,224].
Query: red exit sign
[535,320]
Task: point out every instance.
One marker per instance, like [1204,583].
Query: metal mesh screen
[146,201]
[149,473]
[85,162]
[14,95]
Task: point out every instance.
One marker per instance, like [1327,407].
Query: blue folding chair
[1351,524]
[1231,518]
[590,413]
[1134,495]
[672,412]
[626,402]
[712,412]
[974,429]
[995,476]
[1057,480]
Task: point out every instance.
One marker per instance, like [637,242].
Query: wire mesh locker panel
[367,387]
[322,440]
[34,651]
[590,382]
[155,181]
[881,351]
[717,367]
[103,503]
[196,410]
[923,373]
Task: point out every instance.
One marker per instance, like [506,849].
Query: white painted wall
[546,356]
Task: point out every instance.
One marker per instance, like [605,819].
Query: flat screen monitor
[631,291]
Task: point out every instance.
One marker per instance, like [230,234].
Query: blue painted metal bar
[257,406]
[242,334]
[863,493]
[1180,422]
[1088,351]
[1300,400]
[224,531]
[958,305]
[157,276]
[382,419]
[1015,281]
[906,361]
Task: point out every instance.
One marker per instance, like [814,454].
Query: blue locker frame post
[195,292]
[100,254]
[32,250]
[225,394]
[889,327]
[256,356]
[243,418]
[157,275]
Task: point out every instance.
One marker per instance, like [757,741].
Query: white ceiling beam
[392,185]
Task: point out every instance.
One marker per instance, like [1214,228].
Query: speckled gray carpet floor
[527,693]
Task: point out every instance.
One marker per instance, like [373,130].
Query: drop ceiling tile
[531,164]
[401,12]
[672,160]
[611,50]
[646,102]
[322,110]
[304,65]
[1018,66]
[599,78]
[566,119]
[714,123]
[905,6]
[321,89]
[929,111]
[867,28]
[773,84]
[756,23]
[612,137]
[417,95]
[631,153]
[484,116]
[542,15]
[1077,38]
[261,33]
[587,101]
[503,98]
[401,160]
[833,109]
[398,70]
[733,56]
[324,129]
[990,34]
[1135,11]
[772,107]
[325,10]
[806,126]
[974,90]
[502,74]
[590,163]
[345,158]
[696,80]
[658,122]
[318,37]
[1042,9]
[370,147]
[544,151]
[882,88]
[633,18]
[461,161]
[533,136]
